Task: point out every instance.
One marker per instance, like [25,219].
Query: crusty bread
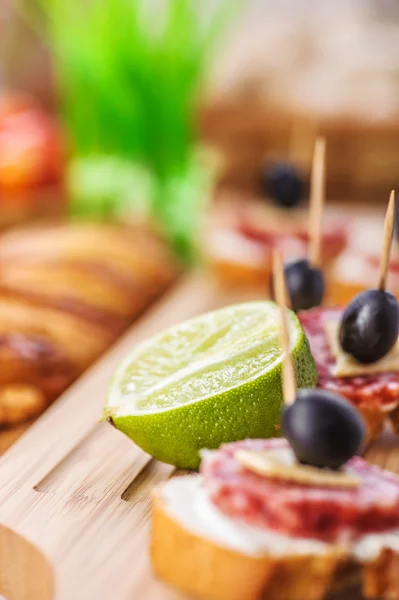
[349,276]
[357,268]
[66,292]
[340,292]
[394,418]
[375,418]
[204,569]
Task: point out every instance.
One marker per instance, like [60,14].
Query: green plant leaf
[130,74]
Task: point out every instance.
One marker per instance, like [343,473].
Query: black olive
[283,182]
[324,429]
[305,284]
[370,326]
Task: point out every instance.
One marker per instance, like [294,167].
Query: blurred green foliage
[129,75]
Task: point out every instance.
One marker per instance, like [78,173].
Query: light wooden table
[75,494]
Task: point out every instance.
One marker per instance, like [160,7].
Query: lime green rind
[174,436]
[175,439]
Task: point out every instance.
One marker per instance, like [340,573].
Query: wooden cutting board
[9,435]
[75,494]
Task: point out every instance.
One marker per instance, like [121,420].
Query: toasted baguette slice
[375,418]
[209,556]
[356,270]
[242,232]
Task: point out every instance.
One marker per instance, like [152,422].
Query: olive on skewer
[370,324]
[304,277]
[305,283]
[323,429]
[283,183]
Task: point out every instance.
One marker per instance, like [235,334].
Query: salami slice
[331,515]
[334,238]
[378,390]
[272,227]
[243,236]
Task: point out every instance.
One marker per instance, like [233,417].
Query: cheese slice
[283,465]
[347,366]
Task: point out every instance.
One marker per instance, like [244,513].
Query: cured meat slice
[243,236]
[272,233]
[331,515]
[377,391]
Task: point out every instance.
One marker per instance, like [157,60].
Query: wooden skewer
[280,291]
[387,241]
[301,141]
[317,196]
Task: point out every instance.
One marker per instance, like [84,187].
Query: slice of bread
[209,556]
[375,417]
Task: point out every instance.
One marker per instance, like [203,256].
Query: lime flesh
[210,380]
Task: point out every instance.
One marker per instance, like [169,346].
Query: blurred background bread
[66,292]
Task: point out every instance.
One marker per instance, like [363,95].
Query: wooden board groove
[151,474]
[101,464]
[49,480]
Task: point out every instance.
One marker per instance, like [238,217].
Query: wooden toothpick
[301,140]
[387,241]
[280,291]
[317,196]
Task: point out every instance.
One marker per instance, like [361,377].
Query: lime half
[213,379]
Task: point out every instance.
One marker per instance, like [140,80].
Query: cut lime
[213,379]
